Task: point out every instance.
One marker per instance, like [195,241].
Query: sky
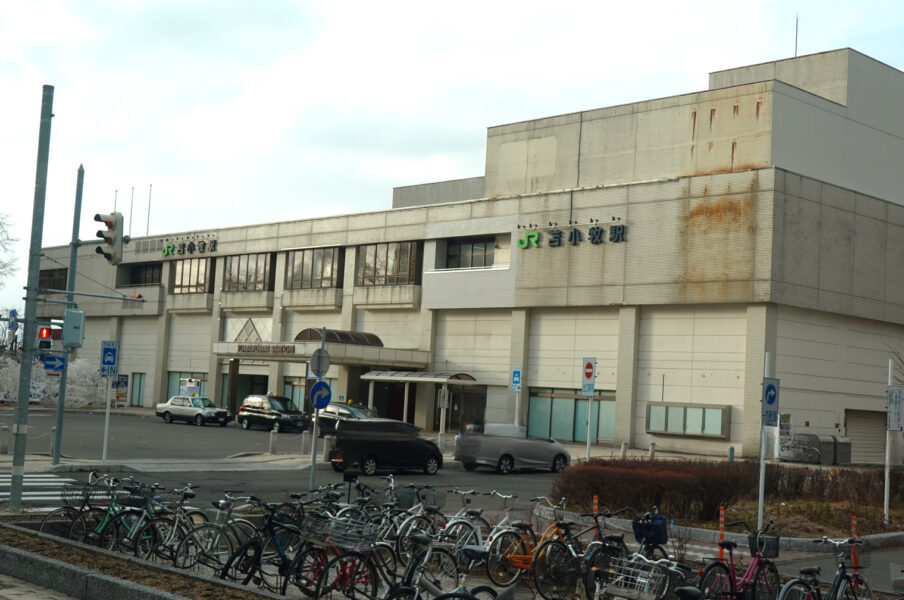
[198,114]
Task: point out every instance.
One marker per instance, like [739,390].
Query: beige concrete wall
[701,352]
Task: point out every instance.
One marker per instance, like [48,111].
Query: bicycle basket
[635,580]
[134,495]
[767,545]
[432,497]
[75,495]
[856,556]
[652,531]
[314,527]
[353,535]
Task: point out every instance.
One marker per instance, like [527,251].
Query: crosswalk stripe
[36,487]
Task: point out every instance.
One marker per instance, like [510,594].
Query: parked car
[333,413]
[274,413]
[192,409]
[507,447]
[383,444]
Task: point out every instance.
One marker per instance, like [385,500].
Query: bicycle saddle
[521,525]
[728,544]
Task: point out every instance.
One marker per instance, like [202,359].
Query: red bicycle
[718,580]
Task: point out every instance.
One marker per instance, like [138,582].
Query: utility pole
[70,288]
[20,424]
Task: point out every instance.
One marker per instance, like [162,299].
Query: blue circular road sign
[320,394]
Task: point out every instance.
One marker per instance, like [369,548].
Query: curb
[81,583]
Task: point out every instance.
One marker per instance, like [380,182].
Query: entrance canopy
[420,377]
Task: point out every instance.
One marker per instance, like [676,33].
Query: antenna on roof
[796,21]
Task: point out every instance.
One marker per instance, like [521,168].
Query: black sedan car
[383,444]
[275,413]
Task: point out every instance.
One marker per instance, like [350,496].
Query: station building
[675,241]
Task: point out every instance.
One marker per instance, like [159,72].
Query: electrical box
[73,328]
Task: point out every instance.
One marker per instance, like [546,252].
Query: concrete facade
[698,232]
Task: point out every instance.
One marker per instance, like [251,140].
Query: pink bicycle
[719,581]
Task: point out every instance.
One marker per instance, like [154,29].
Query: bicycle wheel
[243,564]
[795,589]
[861,588]
[404,546]
[500,569]
[271,566]
[384,560]
[716,582]
[555,570]
[88,526]
[306,570]
[204,550]
[439,568]
[239,531]
[349,575]
[483,527]
[59,521]
[766,582]
[847,592]
[598,565]
[459,533]
[403,593]
[483,592]
[153,540]
[121,532]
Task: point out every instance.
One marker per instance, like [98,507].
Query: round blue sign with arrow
[320,394]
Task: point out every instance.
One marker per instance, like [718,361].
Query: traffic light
[112,237]
[44,336]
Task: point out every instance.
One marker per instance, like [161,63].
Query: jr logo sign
[531,238]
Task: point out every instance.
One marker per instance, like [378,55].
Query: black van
[383,444]
[276,413]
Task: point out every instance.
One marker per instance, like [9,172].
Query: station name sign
[189,246]
[267,348]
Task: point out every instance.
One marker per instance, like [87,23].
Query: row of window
[392,263]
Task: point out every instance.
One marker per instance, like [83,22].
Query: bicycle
[651,531]
[760,580]
[253,560]
[207,546]
[512,550]
[76,500]
[432,570]
[847,584]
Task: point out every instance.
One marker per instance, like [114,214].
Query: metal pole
[316,413]
[759,509]
[589,415]
[517,407]
[885,500]
[147,228]
[70,287]
[20,424]
[106,418]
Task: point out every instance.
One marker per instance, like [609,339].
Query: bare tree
[7,258]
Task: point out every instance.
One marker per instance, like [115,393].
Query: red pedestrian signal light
[44,337]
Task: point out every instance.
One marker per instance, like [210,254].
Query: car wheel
[275,427]
[431,465]
[505,465]
[369,465]
[168,418]
[244,423]
[199,420]
[469,466]
[338,466]
[559,463]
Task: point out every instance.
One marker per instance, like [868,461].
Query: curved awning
[339,336]
[420,377]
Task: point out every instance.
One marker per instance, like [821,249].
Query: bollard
[721,531]
[730,453]
[52,441]
[596,504]
[624,449]
[652,450]
[854,548]
[4,439]
[273,435]
[306,441]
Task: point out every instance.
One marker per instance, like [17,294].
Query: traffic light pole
[70,288]
[20,424]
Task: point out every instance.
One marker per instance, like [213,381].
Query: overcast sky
[241,112]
